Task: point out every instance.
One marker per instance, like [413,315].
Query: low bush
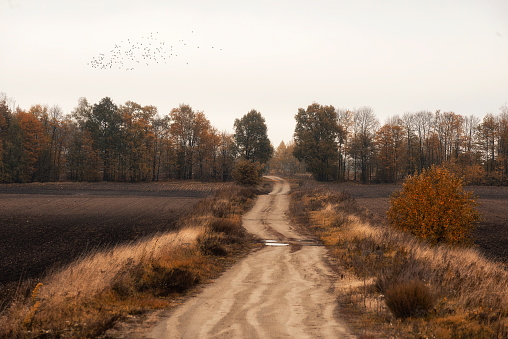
[434,207]
[246,173]
[409,299]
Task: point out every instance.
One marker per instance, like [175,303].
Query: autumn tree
[183,136]
[408,123]
[160,129]
[434,207]
[422,127]
[4,114]
[390,151]
[503,144]
[102,126]
[83,159]
[362,145]
[470,127]
[105,127]
[34,141]
[58,129]
[284,162]
[206,147]
[448,127]
[13,162]
[345,121]
[487,136]
[251,138]
[316,135]
[137,144]
[225,156]
[51,159]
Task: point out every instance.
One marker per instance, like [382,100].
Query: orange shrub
[433,206]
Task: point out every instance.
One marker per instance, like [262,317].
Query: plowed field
[43,226]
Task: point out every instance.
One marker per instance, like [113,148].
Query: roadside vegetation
[88,296]
[398,285]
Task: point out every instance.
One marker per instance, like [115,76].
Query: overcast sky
[228,57]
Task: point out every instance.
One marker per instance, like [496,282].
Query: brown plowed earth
[491,235]
[44,226]
[276,292]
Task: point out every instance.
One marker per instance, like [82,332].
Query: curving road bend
[279,291]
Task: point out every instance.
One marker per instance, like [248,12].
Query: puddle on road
[302,242]
[274,243]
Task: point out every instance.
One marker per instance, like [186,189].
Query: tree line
[131,142]
[343,144]
[127,142]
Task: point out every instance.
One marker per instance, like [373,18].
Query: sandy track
[276,292]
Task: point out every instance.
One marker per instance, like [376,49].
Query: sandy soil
[284,290]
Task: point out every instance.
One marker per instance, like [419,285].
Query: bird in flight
[150,49]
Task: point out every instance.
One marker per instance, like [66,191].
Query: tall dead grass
[96,271]
[90,295]
[472,291]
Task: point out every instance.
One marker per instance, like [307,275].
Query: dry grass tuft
[409,299]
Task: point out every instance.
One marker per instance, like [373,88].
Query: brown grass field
[47,225]
[396,285]
[491,235]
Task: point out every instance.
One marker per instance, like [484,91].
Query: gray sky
[272,56]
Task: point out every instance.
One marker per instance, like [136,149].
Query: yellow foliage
[433,206]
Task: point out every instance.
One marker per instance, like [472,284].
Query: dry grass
[471,290]
[90,295]
[96,271]
[409,299]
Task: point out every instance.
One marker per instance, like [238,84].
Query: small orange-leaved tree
[434,206]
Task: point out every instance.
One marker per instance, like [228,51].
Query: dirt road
[284,290]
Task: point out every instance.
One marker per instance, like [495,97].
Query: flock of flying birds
[148,50]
